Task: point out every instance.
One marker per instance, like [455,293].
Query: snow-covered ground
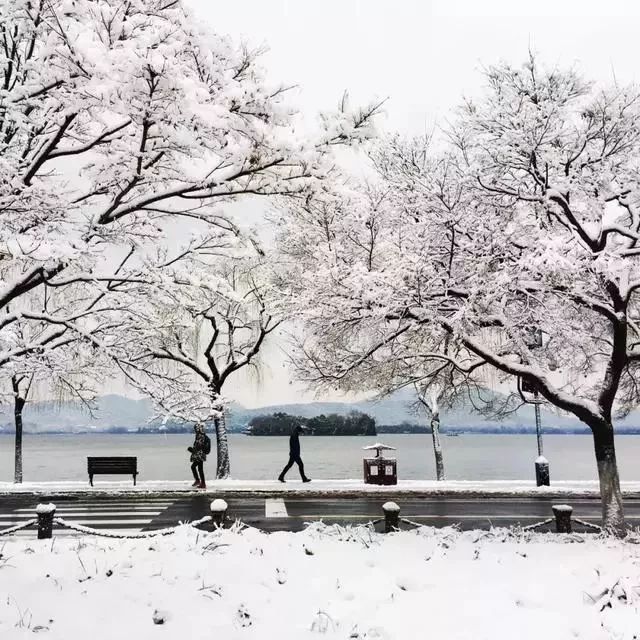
[326,582]
[328,487]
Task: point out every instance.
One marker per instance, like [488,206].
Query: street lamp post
[541,463]
[538,422]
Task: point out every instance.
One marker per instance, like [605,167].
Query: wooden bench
[110,465]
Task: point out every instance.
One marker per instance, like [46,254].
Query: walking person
[294,455]
[201,447]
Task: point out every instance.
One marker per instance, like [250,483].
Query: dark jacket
[198,448]
[294,443]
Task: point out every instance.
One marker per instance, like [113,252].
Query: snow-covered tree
[191,335]
[121,122]
[62,352]
[338,250]
[66,373]
[528,221]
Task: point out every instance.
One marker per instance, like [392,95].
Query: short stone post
[562,513]
[219,512]
[45,513]
[391,516]
[542,471]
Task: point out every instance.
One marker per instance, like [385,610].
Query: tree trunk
[223,468]
[437,447]
[18,406]
[612,509]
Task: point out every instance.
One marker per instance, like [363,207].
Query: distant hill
[111,411]
[118,412]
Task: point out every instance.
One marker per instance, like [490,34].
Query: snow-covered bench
[110,465]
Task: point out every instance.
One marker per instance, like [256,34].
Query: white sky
[424,56]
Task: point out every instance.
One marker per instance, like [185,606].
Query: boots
[202,485]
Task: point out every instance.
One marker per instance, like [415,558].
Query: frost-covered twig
[238,526]
[322,621]
[619,592]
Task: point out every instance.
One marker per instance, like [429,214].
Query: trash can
[380,470]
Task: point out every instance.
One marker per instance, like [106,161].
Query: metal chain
[145,534]
[536,525]
[411,522]
[18,527]
[584,523]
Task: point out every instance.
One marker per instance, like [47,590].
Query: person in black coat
[294,455]
[198,455]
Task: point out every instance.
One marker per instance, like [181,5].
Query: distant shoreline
[627,432]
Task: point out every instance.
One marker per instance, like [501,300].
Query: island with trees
[282,424]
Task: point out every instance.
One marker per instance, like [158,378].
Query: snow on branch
[525,220]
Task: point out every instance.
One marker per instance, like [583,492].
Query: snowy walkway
[326,487]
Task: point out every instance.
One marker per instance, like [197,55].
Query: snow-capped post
[45,513]
[391,516]
[219,512]
[562,513]
[542,472]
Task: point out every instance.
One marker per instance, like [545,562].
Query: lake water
[467,457]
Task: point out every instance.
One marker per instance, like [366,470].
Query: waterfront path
[146,512]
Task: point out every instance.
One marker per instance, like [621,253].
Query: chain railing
[129,536]
[46,518]
[562,515]
[589,525]
[18,527]
[537,525]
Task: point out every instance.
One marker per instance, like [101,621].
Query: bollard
[45,513]
[219,512]
[391,516]
[562,513]
[542,471]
